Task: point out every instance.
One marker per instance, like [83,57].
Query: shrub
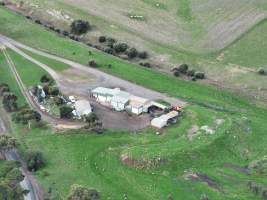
[58,30]
[34,161]
[10,102]
[183,68]
[80,27]
[120,47]
[37,21]
[66,112]
[110,42]
[2,3]
[176,73]
[65,33]
[102,39]
[92,63]
[204,197]
[51,27]
[262,71]
[4,88]
[143,55]
[191,72]
[148,65]
[25,115]
[109,50]
[132,53]
[193,78]
[199,75]
[45,79]
[54,91]
[83,193]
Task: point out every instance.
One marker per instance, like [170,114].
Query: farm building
[104,95]
[163,120]
[123,101]
[138,105]
[82,108]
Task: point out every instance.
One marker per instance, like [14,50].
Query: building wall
[118,106]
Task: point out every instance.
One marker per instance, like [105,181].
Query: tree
[79,192]
[110,42]
[109,50]
[92,63]
[54,91]
[4,88]
[191,72]
[34,160]
[7,143]
[66,112]
[183,68]
[132,53]
[143,55]
[80,27]
[176,73]
[199,75]
[26,116]
[45,79]
[10,102]
[262,71]
[11,177]
[102,39]
[120,47]
[93,121]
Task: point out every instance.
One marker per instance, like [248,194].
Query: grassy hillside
[250,50]
[181,24]
[95,160]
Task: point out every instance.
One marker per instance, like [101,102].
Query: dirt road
[55,122]
[102,78]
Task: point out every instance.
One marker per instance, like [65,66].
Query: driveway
[101,78]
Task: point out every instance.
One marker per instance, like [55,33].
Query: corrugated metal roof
[82,107]
[136,101]
[120,99]
[105,91]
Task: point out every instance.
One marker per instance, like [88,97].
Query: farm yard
[217,149]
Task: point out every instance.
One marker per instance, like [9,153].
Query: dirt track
[81,87]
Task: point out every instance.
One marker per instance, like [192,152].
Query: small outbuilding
[82,108]
[120,101]
[138,105]
[163,120]
[104,95]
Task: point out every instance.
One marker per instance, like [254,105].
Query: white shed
[104,95]
[162,121]
[137,105]
[82,108]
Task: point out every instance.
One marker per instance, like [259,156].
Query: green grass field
[250,50]
[53,64]
[30,73]
[94,160]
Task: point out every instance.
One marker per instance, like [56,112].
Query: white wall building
[162,121]
[82,108]
[120,100]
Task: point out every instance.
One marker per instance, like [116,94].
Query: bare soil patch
[237,168]
[204,178]
[141,164]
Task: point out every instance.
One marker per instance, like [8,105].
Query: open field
[238,137]
[250,50]
[184,24]
[237,78]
